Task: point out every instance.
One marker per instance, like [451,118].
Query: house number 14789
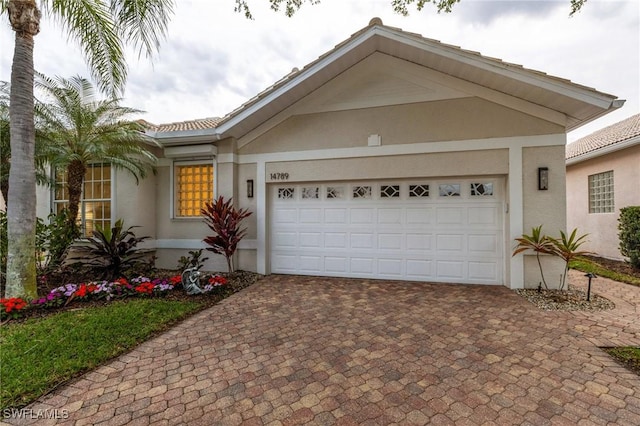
[279,176]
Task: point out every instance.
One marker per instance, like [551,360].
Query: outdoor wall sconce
[250,188]
[543,178]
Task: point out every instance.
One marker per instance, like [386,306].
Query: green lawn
[41,353]
[586,265]
[629,356]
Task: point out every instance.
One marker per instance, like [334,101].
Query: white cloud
[215,59]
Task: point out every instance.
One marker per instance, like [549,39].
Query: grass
[629,356]
[39,354]
[586,265]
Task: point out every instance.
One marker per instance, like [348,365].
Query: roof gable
[557,100]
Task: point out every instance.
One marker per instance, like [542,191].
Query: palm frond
[143,22]
[91,24]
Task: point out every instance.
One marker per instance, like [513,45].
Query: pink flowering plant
[104,290]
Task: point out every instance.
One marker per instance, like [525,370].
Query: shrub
[224,219]
[112,252]
[629,234]
[194,260]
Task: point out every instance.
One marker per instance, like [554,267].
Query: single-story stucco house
[390,156]
[603,175]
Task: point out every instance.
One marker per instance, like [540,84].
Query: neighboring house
[603,175]
[391,156]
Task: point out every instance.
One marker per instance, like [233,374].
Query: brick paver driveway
[296,350]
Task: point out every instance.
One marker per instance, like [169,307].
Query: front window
[95,203]
[193,188]
[601,193]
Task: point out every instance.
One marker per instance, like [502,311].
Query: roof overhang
[603,151]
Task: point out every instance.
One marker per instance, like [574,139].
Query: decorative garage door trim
[421,230]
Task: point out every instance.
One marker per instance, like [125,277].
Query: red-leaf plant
[224,220]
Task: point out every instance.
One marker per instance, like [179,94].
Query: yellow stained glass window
[194,187]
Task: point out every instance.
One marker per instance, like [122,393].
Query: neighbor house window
[193,187]
[601,193]
[95,203]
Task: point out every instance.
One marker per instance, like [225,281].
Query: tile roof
[181,126]
[616,133]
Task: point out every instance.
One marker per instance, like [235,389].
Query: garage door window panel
[481,189]
[449,190]
[418,191]
[335,192]
[362,192]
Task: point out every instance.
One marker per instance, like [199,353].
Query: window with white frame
[95,204]
[601,193]
[193,187]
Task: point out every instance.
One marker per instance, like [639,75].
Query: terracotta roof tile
[610,135]
[181,126]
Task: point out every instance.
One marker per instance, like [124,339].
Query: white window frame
[173,189]
[606,190]
[81,207]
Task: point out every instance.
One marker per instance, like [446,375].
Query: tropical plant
[81,129]
[538,243]
[101,28]
[112,252]
[194,260]
[224,220]
[567,248]
[53,238]
[629,234]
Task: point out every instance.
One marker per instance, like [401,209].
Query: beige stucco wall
[177,236]
[546,208]
[603,227]
[482,162]
[135,204]
[446,120]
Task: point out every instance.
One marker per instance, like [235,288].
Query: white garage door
[443,231]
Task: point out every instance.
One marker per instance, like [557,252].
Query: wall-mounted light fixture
[543,178]
[250,188]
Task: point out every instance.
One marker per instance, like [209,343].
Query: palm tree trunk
[4,188]
[21,211]
[75,178]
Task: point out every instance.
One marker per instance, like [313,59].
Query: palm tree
[42,177]
[79,129]
[101,28]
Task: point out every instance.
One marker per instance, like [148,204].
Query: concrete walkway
[300,350]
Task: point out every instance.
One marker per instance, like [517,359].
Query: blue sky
[215,59]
